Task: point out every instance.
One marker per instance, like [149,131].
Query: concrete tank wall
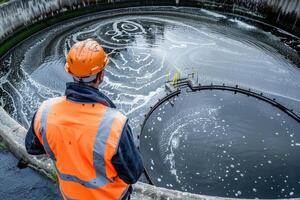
[282,13]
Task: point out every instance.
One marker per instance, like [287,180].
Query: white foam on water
[242,24]
[172,134]
[214,14]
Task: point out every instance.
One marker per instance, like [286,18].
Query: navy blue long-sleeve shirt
[127,160]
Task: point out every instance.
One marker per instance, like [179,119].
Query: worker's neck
[95,85]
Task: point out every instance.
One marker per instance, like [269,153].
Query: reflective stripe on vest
[43,129]
[99,149]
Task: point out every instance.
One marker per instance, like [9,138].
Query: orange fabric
[71,132]
[86,58]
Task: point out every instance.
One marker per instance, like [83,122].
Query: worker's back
[90,142]
[82,139]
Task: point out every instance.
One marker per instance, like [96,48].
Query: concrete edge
[13,135]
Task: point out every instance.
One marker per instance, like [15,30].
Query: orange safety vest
[81,139]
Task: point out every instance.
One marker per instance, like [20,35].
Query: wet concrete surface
[146,49]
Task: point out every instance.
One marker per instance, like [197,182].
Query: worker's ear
[101,76]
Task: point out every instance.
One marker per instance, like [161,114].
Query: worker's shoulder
[118,115]
[116,112]
[58,99]
[49,102]
[53,100]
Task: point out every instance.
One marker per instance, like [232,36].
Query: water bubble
[152,162]
[175,142]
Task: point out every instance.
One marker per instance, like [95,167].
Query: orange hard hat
[86,58]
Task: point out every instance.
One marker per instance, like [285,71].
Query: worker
[88,139]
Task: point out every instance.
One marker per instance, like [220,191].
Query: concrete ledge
[13,135]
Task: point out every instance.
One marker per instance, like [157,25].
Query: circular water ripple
[143,51]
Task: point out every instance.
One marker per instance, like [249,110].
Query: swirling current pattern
[145,49]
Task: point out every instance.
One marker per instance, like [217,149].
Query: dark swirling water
[18,184]
[147,48]
[224,144]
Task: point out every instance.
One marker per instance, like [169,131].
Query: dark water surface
[224,144]
[145,48]
[16,184]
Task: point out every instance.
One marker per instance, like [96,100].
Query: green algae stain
[2,145]
[53,176]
